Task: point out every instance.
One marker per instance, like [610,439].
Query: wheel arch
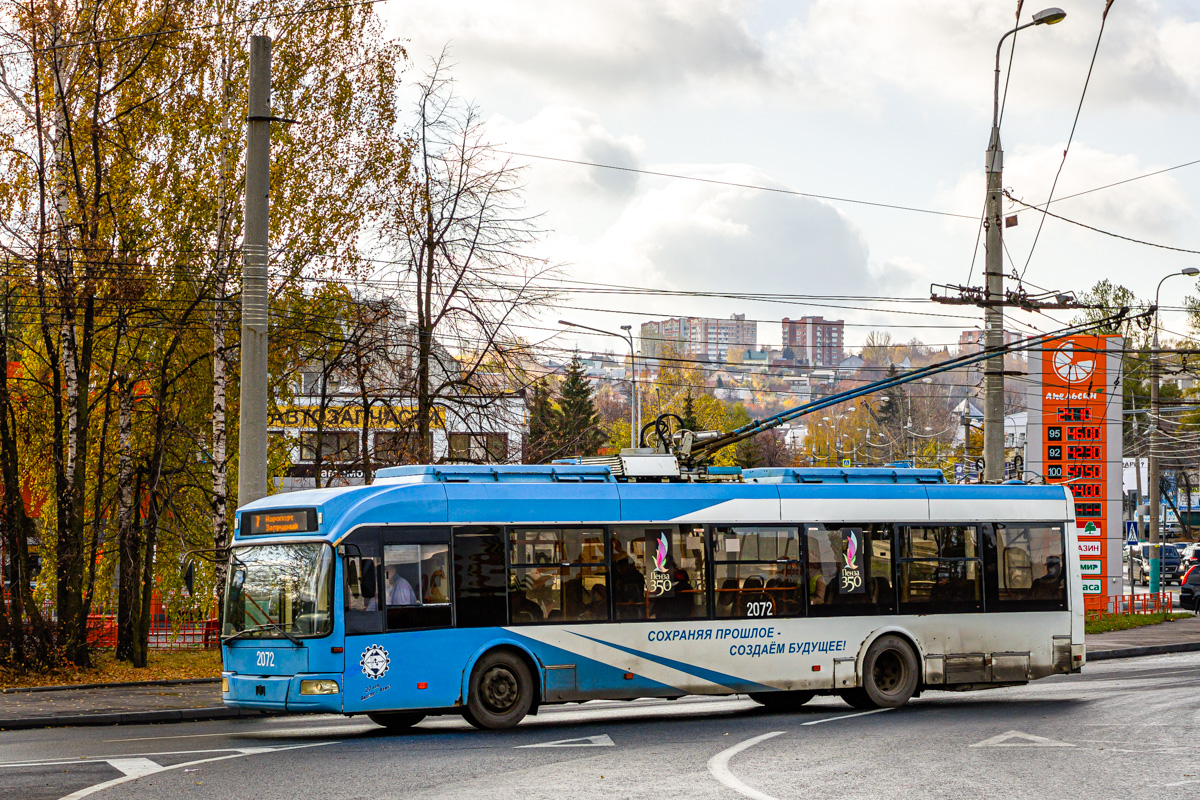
[516,648]
[890,630]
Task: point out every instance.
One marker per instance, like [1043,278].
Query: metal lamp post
[1152,466]
[634,406]
[993,408]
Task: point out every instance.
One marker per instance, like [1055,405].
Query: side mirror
[237,580]
[189,577]
[368,581]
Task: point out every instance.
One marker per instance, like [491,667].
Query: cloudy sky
[882,101]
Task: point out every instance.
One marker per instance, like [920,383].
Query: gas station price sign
[1074,412]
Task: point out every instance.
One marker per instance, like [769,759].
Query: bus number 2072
[266,658]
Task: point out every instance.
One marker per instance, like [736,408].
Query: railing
[179,623]
[1156,603]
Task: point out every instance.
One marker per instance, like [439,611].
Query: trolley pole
[252,431]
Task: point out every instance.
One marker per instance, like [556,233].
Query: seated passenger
[400,591]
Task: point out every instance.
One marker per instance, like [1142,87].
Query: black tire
[501,691]
[890,675]
[396,721]
[856,698]
[782,701]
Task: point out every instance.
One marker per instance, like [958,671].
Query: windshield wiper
[262,627]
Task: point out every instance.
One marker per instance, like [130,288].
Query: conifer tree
[579,431]
[545,419]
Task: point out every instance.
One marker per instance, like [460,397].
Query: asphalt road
[1126,728]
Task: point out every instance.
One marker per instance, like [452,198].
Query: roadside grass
[1124,622]
[163,665]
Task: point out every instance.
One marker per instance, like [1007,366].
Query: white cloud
[693,236]
[624,48]
[853,51]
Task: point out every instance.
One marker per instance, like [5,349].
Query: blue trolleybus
[492,591]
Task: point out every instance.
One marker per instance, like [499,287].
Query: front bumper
[279,693]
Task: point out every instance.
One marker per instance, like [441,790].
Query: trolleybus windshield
[278,589]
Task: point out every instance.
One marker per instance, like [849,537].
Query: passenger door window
[757,571]
[417,586]
[849,569]
[940,569]
[659,572]
[558,575]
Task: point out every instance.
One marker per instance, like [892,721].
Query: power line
[737,185]
[1101,230]
[1071,137]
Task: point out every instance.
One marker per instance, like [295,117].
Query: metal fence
[177,622]
[1157,603]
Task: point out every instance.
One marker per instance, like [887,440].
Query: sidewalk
[168,701]
[1179,636]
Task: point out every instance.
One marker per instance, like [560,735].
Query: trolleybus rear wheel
[501,691]
[782,701]
[396,720]
[889,675]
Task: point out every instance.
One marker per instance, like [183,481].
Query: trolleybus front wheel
[889,675]
[501,691]
[396,721]
[782,701]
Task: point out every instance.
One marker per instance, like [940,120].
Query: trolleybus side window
[1031,572]
[940,569]
[659,572]
[417,585]
[480,585]
[362,587]
[557,575]
[849,569]
[757,571]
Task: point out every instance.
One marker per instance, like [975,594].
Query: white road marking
[845,716]
[135,767]
[87,791]
[718,765]
[602,740]
[1019,739]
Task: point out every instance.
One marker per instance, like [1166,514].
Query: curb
[124,685]
[132,718]
[1148,650]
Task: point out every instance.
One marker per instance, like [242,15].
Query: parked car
[1189,589]
[1190,556]
[1169,565]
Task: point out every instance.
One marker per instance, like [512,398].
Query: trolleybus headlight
[225,685]
[319,686]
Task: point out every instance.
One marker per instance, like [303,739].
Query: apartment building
[701,338]
[815,341]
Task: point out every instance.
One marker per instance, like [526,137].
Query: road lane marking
[1021,740]
[87,791]
[845,716]
[718,765]
[135,767]
[603,740]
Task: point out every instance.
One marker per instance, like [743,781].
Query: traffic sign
[845,462]
[960,472]
[1131,532]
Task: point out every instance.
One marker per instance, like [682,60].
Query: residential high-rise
[703,338]
[815,340]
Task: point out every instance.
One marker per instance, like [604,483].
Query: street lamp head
[1190,271]
[626,327]
[1049,16]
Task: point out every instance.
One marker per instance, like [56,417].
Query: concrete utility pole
[1152,467]
[993,370]
[252,432]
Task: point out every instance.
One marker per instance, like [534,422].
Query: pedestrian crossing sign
[1131,532]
